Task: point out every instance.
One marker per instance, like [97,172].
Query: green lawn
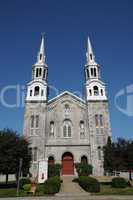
[108,190]
[11,192]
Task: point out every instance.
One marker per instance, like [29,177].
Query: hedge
[119,182]
[83,169]
[89,184]
[52,185]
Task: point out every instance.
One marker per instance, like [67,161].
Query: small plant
[27,187]
[23,182]
[119,182]
[83,169]
[52,185]
[89,184]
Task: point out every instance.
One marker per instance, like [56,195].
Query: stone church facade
[67,129]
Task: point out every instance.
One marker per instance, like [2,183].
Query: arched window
[87,73]
[84,160]
[44,73]
[65,131]
[91,56]
[37,72]
[67,109]
[99,153]
[82,131]
[30,92]
[52,128]
[95,74]
[69,131]
[67,128]
[92,74]
[90,92]
[32,121]
[40,56]
[96,92]
[36,91]
[40,71]
[101,92]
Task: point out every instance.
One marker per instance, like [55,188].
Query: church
[67,129]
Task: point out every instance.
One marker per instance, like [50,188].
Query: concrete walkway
[71,189]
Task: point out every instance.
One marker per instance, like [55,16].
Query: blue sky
[67,24]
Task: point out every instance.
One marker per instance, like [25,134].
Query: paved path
[70,187]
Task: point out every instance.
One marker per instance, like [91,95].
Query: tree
[13,148]
[118,156]
[109,156]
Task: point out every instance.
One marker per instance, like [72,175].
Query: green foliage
[119,182]
[27,187]
[52,185]
[89,184]
[83,169]
[40,188]
[118,156]
[54,170]
[24,181]
[12,148]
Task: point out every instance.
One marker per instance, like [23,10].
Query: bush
[119,182]
[89,184]
[40,188]
[52,185]
[54,170]
[23,182]
[83,169]
[27,187]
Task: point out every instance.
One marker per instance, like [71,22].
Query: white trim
[66,92]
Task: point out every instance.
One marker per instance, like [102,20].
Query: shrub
[89,184]
[27,187]
[83,169]
[23,182]
[52,185]
[119,182]
[54,170]
[40,188]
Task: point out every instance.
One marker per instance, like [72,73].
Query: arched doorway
[67,164]
[51,160]
[84,160]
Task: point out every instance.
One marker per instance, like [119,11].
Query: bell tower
[36,110]
[37,88]
[95,88]
[97,109]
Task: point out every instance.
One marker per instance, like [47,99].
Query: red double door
[67,164]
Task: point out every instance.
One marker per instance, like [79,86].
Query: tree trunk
[130,175]
[6,179]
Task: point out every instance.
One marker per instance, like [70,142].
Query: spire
[90,55]
[41,54]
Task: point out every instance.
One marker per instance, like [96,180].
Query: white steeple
[37,88]
[95,88]
[41,53]
[89,54]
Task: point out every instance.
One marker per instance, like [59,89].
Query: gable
[65,97]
